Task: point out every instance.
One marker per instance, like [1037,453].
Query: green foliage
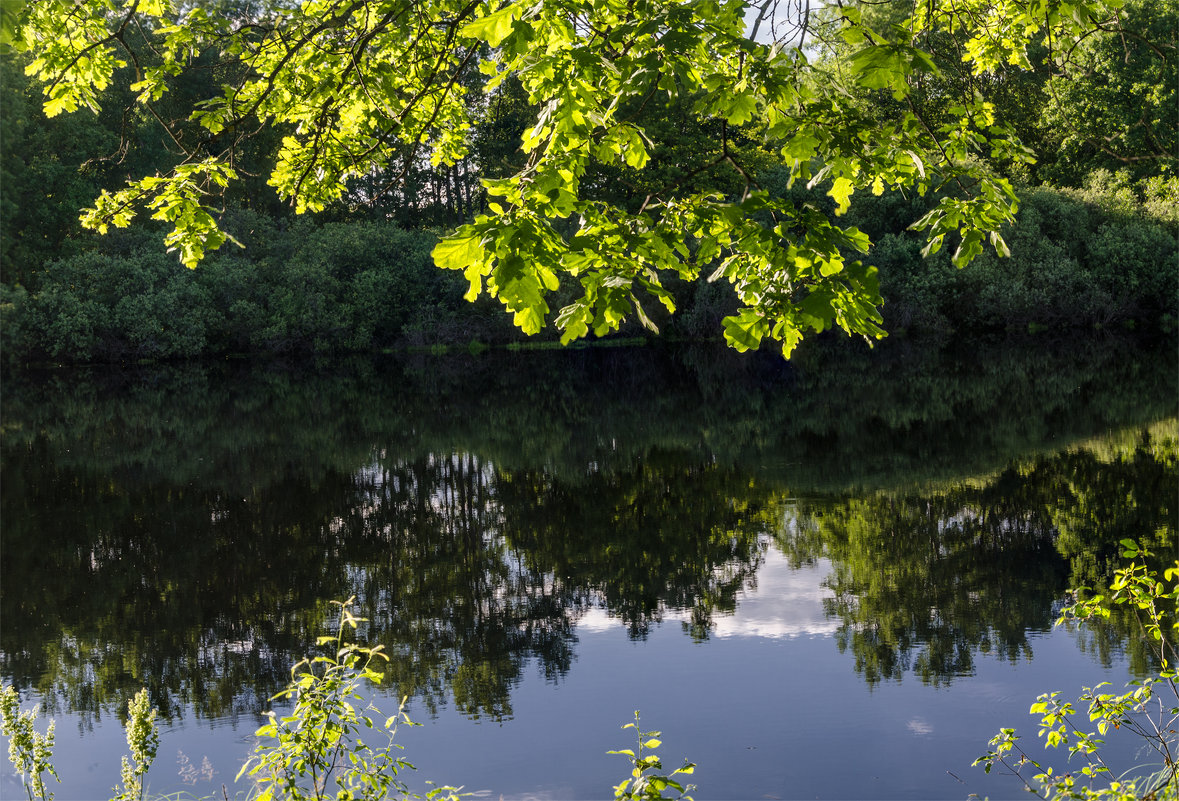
[14,304]
[32,753]
[647,782]
[1147,710]
[1081,258]
[94,306]
[176,200]
[1105,100]
[332,288]
[43,185]
[1117,108]
[628,158]
[318,751]
[144,740]
[29,752]
[597,96]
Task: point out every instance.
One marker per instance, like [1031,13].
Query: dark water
[836,578]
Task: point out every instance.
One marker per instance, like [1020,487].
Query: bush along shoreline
[1099,257]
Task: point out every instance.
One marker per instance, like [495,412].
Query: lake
[832,578]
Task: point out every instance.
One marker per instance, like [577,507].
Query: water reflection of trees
[665,534]
[202,596]
[456,608]
[464,574]
[923,582]
[489,570]
[186,531]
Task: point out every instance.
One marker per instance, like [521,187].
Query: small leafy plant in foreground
[319,751]
[144,740]
[29,752]
[1147,710]
[646,782]
[32,753]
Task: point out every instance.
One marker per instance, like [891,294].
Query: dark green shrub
[1095,256]
[350,286]
[1080,258]
[913,288]
[14,332]
[94,306]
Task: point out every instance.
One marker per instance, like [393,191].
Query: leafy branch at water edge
[646,782]
[1148,710]
[318,751]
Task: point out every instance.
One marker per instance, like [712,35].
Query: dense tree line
[1094,244]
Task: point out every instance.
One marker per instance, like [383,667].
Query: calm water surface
[831,579]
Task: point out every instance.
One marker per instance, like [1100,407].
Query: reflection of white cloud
[596,619]
[919,726]
[787,602]
[774,628]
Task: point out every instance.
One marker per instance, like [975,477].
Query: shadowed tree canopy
[354,85]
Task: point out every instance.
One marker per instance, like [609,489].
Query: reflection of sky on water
[765,702]
[787,602]
[767,706]
[763,716]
